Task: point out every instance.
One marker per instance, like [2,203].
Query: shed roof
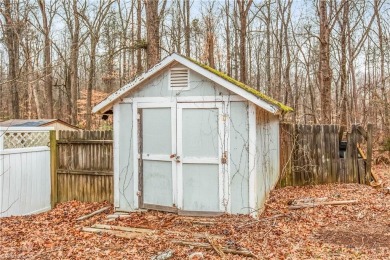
[247,88]
[33,123]
[237,87]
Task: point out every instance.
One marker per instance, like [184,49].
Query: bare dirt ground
[353,231]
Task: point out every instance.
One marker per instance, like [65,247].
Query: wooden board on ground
[151,231]
[124,234]
[126,229]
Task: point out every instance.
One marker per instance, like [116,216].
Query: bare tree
[386,117]
[12,28]
[139,37]
[48,71]
[343,66]
[153,19]
[72,21]
[94,26]
[187,26]
[324,70]
[209,33]
[228,40]
[243,10]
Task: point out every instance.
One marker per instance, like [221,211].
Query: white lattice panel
[25,139]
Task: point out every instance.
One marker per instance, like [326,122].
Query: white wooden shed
[189,139]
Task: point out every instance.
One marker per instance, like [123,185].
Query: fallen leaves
[325,232]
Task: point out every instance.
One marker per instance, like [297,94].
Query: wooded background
[328,59]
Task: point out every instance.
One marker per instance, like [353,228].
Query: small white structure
[24,170]
[57,124]
[192,140]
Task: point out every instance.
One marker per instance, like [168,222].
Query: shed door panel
[156,130]
[199,148]
[200,184]
[200,133]
[157,183]
[157,169]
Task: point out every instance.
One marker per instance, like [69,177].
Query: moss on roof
[247,88]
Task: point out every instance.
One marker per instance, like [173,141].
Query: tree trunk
[210,40]
[324,70]
[243,9]
[139,39]
[268,49]
[178,21]
[187,28]
[228,44]
[91,81]
[343,65]
[12,42]
[74,56]
[48,71]
[279,50]
[386,113]
[287,80]
[68,92]
[152,32]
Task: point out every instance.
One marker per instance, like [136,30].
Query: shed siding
[125,169]
[199,86]
[267,154]
[239,157]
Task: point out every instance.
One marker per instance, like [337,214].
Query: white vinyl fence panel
[24,170]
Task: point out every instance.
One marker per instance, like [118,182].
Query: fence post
[53,167]
[369,153]
[354,141]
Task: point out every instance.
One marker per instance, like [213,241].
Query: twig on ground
[264,219]
[312,205]
[216,247]
[93,213]
[244,252]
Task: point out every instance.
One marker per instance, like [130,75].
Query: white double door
[181,161]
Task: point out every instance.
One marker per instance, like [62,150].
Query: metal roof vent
[179,78]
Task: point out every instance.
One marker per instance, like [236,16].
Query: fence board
[310,155]
[85,171]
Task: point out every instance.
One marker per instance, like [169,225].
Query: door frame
[177,178]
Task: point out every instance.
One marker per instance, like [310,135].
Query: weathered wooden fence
[311,154]
[84,166]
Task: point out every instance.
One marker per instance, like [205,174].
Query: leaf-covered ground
[358,231]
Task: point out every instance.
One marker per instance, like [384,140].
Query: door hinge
[224,158]
[138,116]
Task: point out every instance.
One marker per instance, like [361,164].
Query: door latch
[177,158]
